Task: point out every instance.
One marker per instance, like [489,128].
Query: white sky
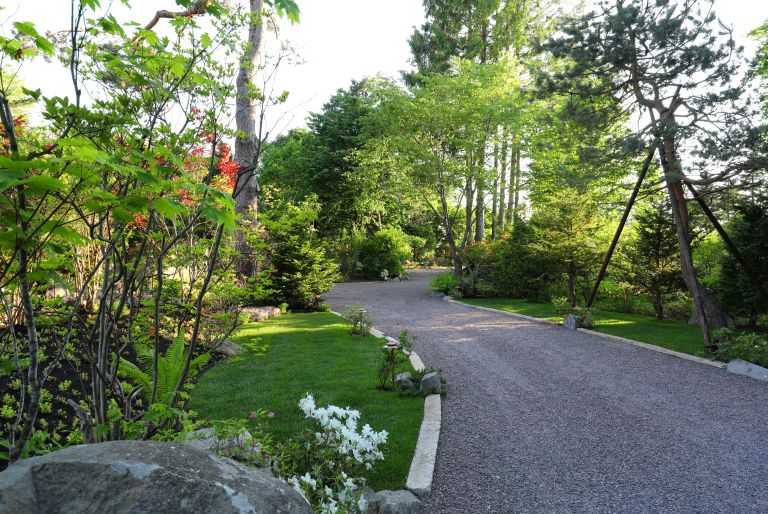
[339,40]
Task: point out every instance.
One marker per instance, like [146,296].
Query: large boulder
[142,477]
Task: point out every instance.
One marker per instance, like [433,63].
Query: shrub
[748,346]
[679,307]
[444,283]
[301,269]
[358,319]
[562,305]
[386,250]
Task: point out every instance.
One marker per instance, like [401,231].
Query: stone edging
[497,311]
[422,468]
[639,344]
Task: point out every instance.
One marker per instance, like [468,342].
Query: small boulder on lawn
[261,313]
[403,380]
[430,384]
[571,322]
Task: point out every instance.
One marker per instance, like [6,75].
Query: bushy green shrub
[679,307]
[386,250]
[562,305]
[444,283]
[748,346]
[301,269]
[515,268]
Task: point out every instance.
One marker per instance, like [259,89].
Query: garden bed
[293,355]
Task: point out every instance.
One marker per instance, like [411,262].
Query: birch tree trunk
[248,141]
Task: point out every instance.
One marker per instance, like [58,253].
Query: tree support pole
[620,229]
[729,243]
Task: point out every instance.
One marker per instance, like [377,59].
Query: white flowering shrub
[325,464]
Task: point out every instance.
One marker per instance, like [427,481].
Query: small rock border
[419,481]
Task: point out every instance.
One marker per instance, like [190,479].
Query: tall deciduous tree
[434,133]
[250,104]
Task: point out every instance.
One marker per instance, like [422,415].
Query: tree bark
[673,178]
[468,210]
[503,182]
[495,196]
[248,143]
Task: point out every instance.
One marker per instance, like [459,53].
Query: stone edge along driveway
[422,469]
[752,371]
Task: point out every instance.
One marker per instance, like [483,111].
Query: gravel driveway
[539,418]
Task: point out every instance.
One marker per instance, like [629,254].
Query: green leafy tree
[653,255]
[436,147]
[301,270]
[749,231]
[567,233]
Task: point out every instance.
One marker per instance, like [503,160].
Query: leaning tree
[675,68]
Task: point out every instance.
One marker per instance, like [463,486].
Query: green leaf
[10,178]
[40,184]
[167,207]
[205,39]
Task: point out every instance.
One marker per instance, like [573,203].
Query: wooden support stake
[620,229]
[729,243]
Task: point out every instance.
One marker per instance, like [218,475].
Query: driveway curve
[542,419]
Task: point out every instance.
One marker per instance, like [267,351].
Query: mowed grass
[668,334]
[296,354]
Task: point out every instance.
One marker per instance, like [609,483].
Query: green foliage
[749,231]
[567,231]
[445,283]
[748,346]
[515,267]
[562,305]
[360,321]
[653,255]
[386,249]
[301,269]
[169,369]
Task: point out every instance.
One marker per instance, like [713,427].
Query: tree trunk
[468,213]
[495,196]
[248,143]
[516,204]
[673,177]
[512,180]
[480,201]
[503,182]
[572,283]
[658,305]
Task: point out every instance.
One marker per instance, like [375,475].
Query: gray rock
[571,322]
[142,477]
[430,384]
[256,313]
[402,376]
[743,367]
[369,502]
[229,348]
[447,298]
[398,502]
[437,294]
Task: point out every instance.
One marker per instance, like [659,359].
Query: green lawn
[668,334]
[312,353]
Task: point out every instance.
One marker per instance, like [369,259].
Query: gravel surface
[539,418]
